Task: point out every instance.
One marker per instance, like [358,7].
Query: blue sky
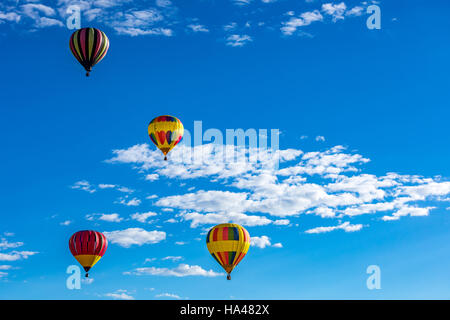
[363,167]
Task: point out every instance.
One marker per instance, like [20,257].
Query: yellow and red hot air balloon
[228,243]
[165,132]
[89,46]
[88,247]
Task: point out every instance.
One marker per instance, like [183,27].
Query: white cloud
[208,201]
[125,190]
[167,295]
[408,211]
[16,255]
[44,22]
[66,223]
[281,222]
[337,11]
[113,217]
[134,236]
[120,295]
[142,217]
[346,226]
[87,281]
[173,258]
[134,32]
[305,19]
[320,138]
[230,26]
[10,16]
[326,183]
[106,186]
[262,242]
[183,270]
[241,2]
[151,177]
[198,28]
[224,217]
[163,3]
[32,10]
[423,191]
[5,244]
[236,40]
[5,267]
[130,203]
[324,212]
[83,185]
[355,11]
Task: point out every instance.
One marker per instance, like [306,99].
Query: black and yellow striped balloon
[89,46]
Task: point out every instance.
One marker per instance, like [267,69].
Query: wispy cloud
[142,217]
[346,226]
[236,40]
[16,255]
[183,270]
[83,185]
[119,295]
[263,242]
[172,258]
[111,217]
[168,295]
[320,138]
[337,11]
[198,28]
[66,222]
[5,244]
[134,202]
[305,19]
[328,184]
[134,236]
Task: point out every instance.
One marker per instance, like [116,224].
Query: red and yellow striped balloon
[88,247]
[165,132]
[228,243]
[89,46]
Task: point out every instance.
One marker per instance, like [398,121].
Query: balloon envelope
[228,243]
[88,247]
[165,132]
[89,46]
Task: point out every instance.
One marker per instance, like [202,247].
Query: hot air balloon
[228,243]
[165,132]
[88,247]
[89,46]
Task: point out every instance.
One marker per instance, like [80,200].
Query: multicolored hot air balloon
[165,132]
[89,46]
[88,247]
[228,243]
